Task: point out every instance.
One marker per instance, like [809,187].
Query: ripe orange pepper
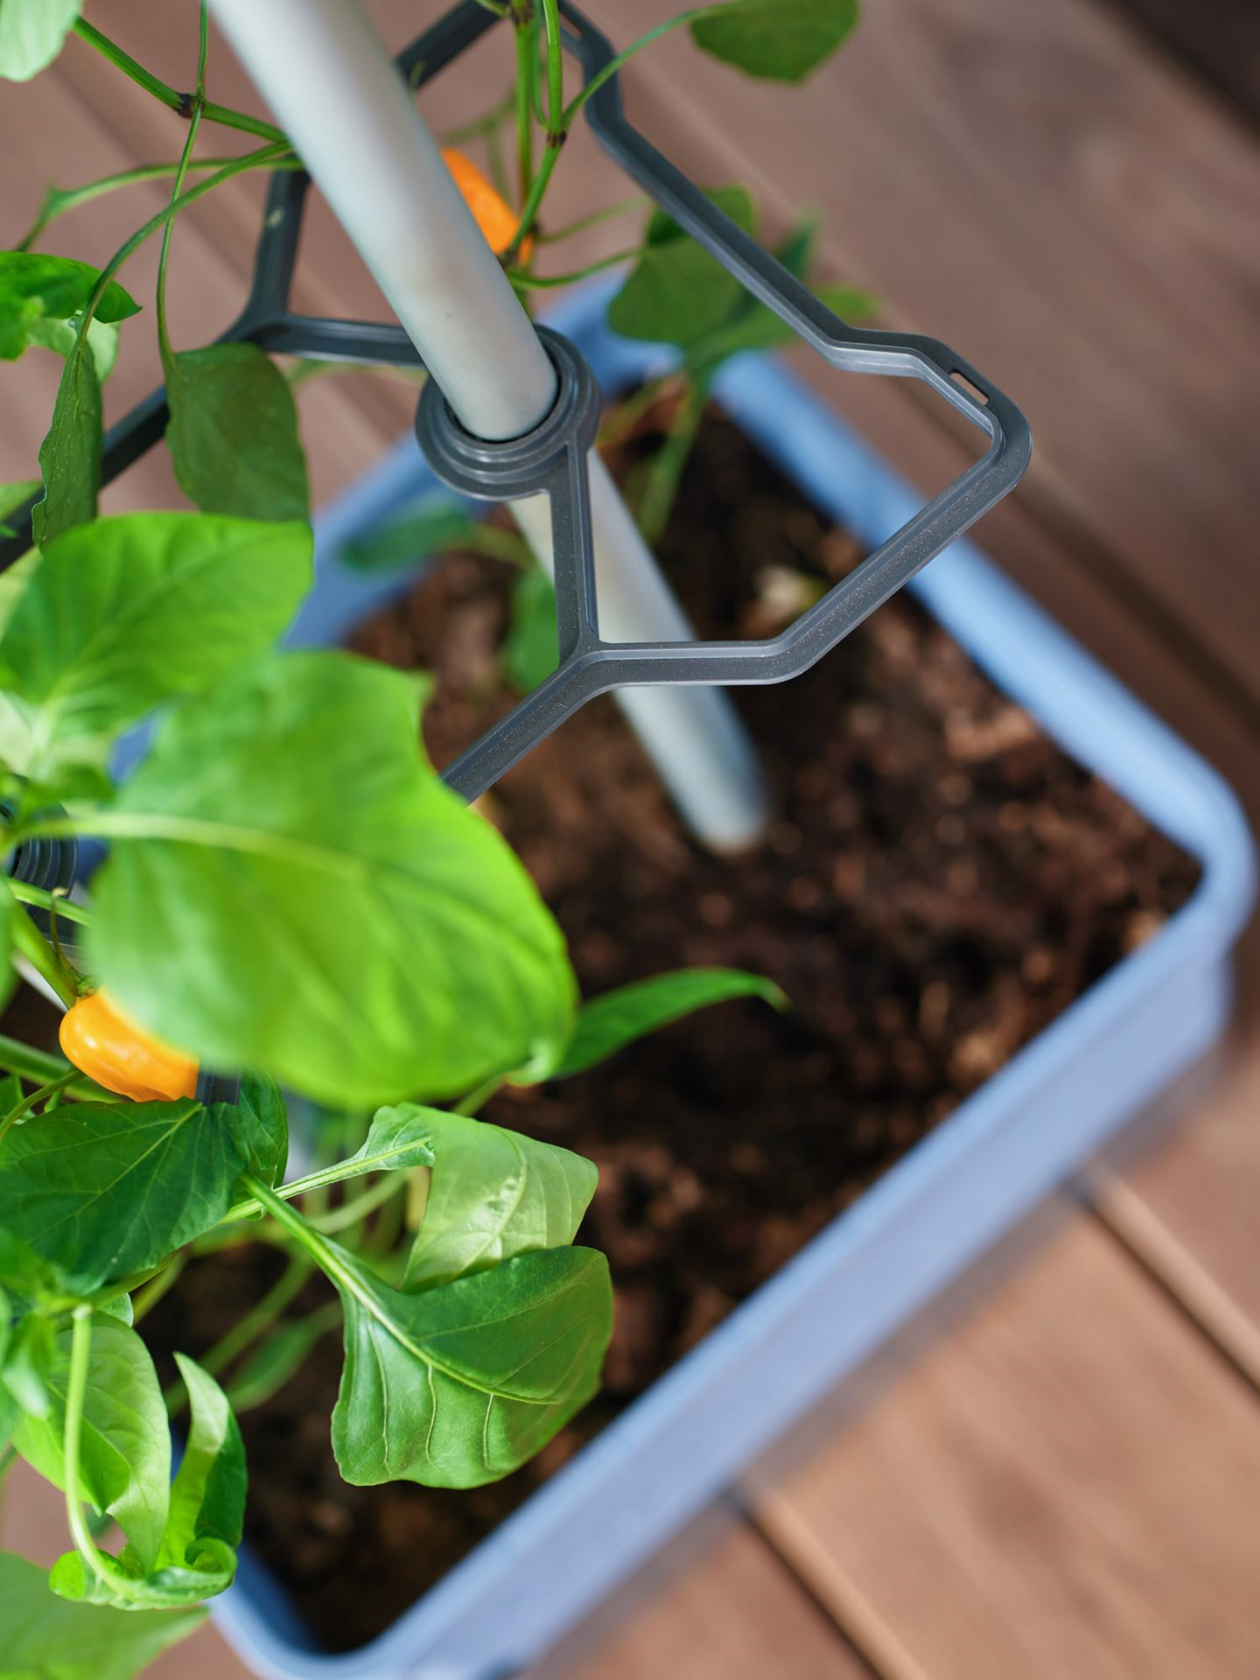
[495,216]
[101,1042]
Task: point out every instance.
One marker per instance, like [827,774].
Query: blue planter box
[927,1219]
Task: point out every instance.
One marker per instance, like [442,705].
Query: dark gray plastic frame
[552,458]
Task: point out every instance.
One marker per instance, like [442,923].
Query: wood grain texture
[730,1611]
[1221,38]
[1064,1487]
[1036,186]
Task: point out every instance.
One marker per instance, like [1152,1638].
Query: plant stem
[44,1091]
[522,277]
[58,903]
[487,121]
[44,960]
[199,99]
[480,1095]
[639,202]
[555,72]
[39,1065]
[175,101]
[60,200]
[526,49]
[260,1317]
[148,1296]
[627,414]
[355,1210]
[665,470]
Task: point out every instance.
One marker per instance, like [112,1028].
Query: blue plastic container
[928,1218]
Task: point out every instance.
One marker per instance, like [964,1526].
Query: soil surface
[939,883]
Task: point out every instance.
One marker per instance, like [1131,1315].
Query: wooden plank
[1063,1487]
[730,1612]
[1036,186]
[1220,38]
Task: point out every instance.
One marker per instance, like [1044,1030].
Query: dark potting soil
[940,881]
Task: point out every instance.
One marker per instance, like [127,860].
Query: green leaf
[460,1384]
[778,40]
[13,497]
[125,1450]
[677,292]
[436,525]
[358,929]
[70,456]
[494,1194]
[397,1139]
[261,1122]
[208,1494]
[532,649]
[233,433]
[47,1639]
[59,336]
[23,1273]
[14,579]
[759,328]
[28,1361]
[128,611]
[101,1191]
[606,1024]
[120,1308]
[36,289]
[197,1556]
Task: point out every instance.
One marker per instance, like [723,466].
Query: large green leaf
[493,1194]
[458,1385]
[101,1192]
[780,40]
[36,289]
[28,1358]
[677,292]
[233,433]
[125,1449]
[47,1639]
[357,929]
[197,1556]
[126,612]
[70,455]
[532,649]
[606,1024]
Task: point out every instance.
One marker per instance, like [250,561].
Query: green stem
[41,1066]
[522,277]
[44,960]
[664,473]
[480,1095]
[44,1091]
[555,69]
[526,50]
[199,100]
[627,414]
[638,202]
[58,903]
[58,201]
[175,101]
[148,1296]
[76,1388]
[354,1211]
[260,1317]
[611,68]
[251,160]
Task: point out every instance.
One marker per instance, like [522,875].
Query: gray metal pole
[327,78]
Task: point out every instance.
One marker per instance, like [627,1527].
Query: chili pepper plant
[291,895]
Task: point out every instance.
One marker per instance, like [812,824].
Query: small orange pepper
[494,215]
[111,1049]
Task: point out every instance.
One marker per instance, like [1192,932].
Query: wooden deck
[1062,1480]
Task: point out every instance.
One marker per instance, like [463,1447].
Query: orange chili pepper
[101,1042]
[494,215]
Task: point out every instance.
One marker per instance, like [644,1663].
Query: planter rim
[987,1155]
